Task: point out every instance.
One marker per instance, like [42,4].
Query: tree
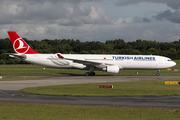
[84,52]
[172,53]
[2,62]
[136,52]
[11,61]
[172,50]
[16,61]
[93,52]
[153,51]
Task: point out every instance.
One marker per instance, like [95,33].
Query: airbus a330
[91,62]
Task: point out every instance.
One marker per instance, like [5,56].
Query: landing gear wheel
[87,74]
[92,73]
[158,74]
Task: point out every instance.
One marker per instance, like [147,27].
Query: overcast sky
[92,20]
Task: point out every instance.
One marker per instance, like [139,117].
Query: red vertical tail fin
[19,45]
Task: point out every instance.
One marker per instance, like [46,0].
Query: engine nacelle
[111,69]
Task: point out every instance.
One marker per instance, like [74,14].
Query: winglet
[19,45]
[60,56]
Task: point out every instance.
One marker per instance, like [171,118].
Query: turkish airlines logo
[20,46]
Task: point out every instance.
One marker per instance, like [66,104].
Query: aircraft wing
[85,62]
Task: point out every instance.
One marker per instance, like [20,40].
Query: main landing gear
[158,73]
[91,72]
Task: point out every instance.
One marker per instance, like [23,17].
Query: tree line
[118,46]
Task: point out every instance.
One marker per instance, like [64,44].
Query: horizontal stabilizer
[18,56]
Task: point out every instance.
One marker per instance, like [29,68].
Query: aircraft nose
[174,63]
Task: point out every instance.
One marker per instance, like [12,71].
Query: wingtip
[60,56]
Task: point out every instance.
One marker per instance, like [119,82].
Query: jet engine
[111,69]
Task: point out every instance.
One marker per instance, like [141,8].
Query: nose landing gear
[158,73]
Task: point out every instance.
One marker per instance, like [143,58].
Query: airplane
[91,62]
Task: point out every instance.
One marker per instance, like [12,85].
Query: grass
[17,111]
[177,63]
[19,78]
[137,88]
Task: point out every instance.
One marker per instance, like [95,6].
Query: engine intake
[111,69]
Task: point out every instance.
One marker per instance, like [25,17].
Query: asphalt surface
[9,92]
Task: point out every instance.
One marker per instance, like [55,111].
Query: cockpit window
[169,60]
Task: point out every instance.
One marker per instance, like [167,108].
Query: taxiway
[9,92]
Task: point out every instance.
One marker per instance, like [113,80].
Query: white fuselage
[122,61]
